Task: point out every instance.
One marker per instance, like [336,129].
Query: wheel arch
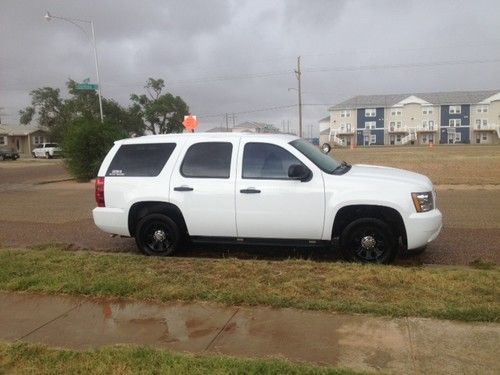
[347,214]
[140,209]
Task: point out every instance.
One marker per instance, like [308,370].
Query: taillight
[99,191]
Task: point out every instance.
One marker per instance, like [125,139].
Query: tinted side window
[207,160]
[267,161]
[140,160]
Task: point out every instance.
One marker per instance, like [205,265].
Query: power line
[276,108]
[397,66]
[5,87]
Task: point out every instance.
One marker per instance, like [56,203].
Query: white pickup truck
[260,189]
[46,150]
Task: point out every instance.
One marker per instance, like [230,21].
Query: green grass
[36,359]
[461,293]
[443,164]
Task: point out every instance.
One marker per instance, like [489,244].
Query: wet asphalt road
[33,214]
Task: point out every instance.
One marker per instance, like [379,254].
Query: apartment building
[459,117]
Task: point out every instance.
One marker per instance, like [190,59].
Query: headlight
[423,201]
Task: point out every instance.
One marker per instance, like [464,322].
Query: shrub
[85,145]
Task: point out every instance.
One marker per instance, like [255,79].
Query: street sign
[190,123]
[86,85]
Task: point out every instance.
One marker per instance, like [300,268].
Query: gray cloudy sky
[239,55]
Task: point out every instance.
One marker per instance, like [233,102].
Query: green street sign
[86,85]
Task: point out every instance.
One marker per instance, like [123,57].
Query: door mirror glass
[299,172]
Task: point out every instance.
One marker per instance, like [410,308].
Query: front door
[202,186]
[271,205]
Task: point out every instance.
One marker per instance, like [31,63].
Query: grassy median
[36,359]
[461,293]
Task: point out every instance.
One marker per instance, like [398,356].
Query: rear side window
[140,160]
[207,160]
[267,161]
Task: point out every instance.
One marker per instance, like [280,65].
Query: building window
[424,139]
[396,111]
[485,137]
[345,113]
[455,109]
[373,138]
[398,138]
[427,111]
[431,125]
[424,124]
[370,112]
[38,140]
[481,123]
[458,137]
[455,122]
[398,124]
[370,124]
[482,109]
[2,140]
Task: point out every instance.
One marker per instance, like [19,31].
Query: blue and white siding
[463,129]
[377,133]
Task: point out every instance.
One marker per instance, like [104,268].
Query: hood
[390,174]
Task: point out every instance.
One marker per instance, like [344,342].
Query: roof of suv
[178,136]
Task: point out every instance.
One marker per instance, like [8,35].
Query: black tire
[34,155]
[157,224]
[368,240]
[48,155]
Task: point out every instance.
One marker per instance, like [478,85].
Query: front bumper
[422,228]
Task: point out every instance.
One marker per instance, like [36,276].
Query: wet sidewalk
[357,342]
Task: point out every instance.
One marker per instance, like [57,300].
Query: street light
[75,21]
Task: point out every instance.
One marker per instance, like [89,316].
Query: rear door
[271,205]
[202,186]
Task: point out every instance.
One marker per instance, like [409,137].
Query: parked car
[47,150]
[259,189]
[8,153]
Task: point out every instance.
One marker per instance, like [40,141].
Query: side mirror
[299,172]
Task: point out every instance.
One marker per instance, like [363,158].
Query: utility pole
[298,74]
[234,119]
[227,123]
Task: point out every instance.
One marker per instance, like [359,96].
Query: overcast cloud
[217,54]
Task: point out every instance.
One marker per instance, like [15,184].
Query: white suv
[259,188]
[46,150]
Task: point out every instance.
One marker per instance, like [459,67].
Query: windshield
[51,145]
[324,162]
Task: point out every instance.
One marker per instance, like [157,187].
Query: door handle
[183,188]
[250,191]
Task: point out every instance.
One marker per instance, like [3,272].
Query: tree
[85,145]
[162,112]
[57,114]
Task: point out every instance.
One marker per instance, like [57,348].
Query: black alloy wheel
[157,235]
[368,240]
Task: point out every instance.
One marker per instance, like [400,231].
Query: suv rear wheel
[157,234]
[368,240]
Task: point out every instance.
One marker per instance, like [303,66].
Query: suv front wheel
[368,240]
[157,234]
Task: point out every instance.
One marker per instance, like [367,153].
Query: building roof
[325,119]
[325,132]
[251,125]
[437,98]
[218,129]
[14,130]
